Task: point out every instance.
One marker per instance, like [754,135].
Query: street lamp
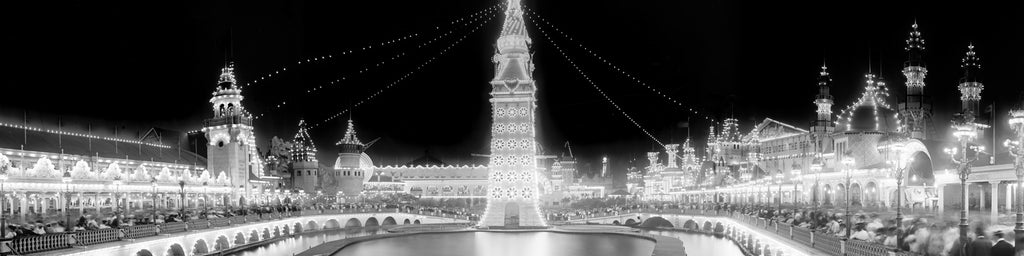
[899,170]
[153,183]
[5,164]
[1016,149]
[117,190]
[796,178]
[181,206]
[67,200]
[963,156]
[816,167]
[848,162]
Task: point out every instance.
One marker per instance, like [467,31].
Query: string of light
[90,136]
[594,85]
[326,57]
[636,80]
[383,63]
[403,77]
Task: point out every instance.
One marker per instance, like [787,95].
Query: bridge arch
[690,224]
[175,250]
[144,252]
[277,231]
[287,229]
[417,222]
[239,238]
[266,234]
[353,223]
[332,224]
[406,222]
[298,227]
[707,226]
[254,236]
[311,225]
[372,222]
[200,247]
[221,243]
[388,221]
[616,222]
[630,221]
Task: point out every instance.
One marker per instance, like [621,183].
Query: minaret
[232,147]
[970,85]
[349,166]
[915,109]
[512,193]
[304,167]
[823,124]
[604,167]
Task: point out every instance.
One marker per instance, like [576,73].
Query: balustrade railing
[173,227]
[31,244]
[49,242]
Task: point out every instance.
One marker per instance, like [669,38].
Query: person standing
[981,246]
[1002,247]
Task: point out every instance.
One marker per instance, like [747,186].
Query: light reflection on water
[497,244]
[299,243]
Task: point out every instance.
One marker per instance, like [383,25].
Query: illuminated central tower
[512,190]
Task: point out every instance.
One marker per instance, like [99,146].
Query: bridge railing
[91,237]
[173,227]
[49,242]
[31,244]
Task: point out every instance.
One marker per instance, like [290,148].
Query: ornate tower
[970,85]
[232,147]
[512,193]
[304,164]
[672,150]
[917,112]
[349,168]
[823,124]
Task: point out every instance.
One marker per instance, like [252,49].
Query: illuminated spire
[513,36]
[971,65]
[350,135]
[227,77]
[970,84]
[915,47]
[823,101]
[303,149]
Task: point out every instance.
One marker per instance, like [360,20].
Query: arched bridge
[204,241]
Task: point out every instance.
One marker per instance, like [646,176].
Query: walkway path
[810,251]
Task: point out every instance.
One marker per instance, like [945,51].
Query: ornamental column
[995,201]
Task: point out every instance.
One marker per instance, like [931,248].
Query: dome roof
[871,112]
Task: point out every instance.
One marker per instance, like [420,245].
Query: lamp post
[963,156]
[117,190]
[816,169]
[5,164]
[1016,149]
[848,162]
[796,178]
[899,171]
[153,183]
[206,200]
[67,200]
[181,206]
[778,179]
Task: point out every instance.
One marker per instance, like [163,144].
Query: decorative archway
[871,194]
[855,194]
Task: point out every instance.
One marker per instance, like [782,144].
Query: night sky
[152,63]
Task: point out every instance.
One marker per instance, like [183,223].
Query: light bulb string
[349,51]
[403,77]
[619,70]
[378,65]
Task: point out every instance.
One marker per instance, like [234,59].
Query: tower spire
[823,101]
[970,84]
[915,109]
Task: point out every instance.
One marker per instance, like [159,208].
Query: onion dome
[871,112]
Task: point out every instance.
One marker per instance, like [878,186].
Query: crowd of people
[921,235]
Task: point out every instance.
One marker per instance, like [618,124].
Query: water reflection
[302,242]
[497,244]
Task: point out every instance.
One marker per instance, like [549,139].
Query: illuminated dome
[871,112]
